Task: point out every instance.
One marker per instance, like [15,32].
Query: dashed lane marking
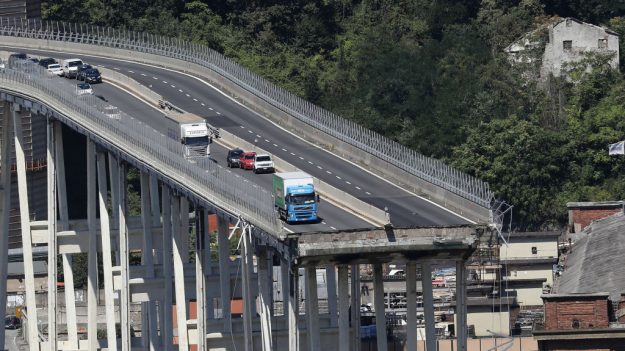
[258,136]
[128,71]
[310,162]
[115,68]
[143,74]
[337,177]
[241,126]
[267,141]
[285,150]
[301,158]
[180,90]
[210,108]
[188,95]
[368,193]
[348,182]
[292,154]
[156,78]
[219,113]
[358,188]
[203,104]
[332,228]
[276,145]
[173,86]
[194,99]
[249,131]
[328,172]
[164,82]
[319,167]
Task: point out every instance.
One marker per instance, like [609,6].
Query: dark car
[82,68]
[33,59]
[233,158]
[47,61]
[12,322]
[91,75]
[13,58]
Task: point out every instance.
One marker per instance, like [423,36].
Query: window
[534,250]
[568,22]
[575,324]
[603,44]
[567,45]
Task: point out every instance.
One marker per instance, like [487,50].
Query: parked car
[83,89]
[90,75]
[263,163]
[246,160]
[55,68]
[233,157]
[47,61]
[12,322]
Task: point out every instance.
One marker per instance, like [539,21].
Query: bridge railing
[202,177]
[408,160]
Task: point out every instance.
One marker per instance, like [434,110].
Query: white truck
[70,67]
[193,132]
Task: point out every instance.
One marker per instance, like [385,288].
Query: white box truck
[70,67]
[193,132]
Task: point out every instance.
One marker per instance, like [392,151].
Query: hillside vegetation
[429,74]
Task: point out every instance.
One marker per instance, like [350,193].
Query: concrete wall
[529,296]
[531,272]
[483,319]
[585,38]
[522,248]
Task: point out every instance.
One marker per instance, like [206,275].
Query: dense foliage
[429,74]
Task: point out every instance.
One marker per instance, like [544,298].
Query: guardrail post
[52,246]
[107,264]
[5,204]
[29,276]
[92,259]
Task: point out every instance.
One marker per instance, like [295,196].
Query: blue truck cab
[295,197]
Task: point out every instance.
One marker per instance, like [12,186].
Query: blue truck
[295,197]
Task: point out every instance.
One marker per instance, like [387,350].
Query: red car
[247,160]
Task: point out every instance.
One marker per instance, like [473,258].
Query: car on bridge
[247,160]
[55,68]
[45,62]
[90,75]
[263,163]
[232,160]
[83,89]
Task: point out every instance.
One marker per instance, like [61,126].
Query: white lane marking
[156,78]
[332,228]
[358,188]
[285,150]
[203,104]
[143,74]
[210,108]
[276,145]
[241,126]
[194,99]
[249,131]
[173,86]
[368,193]
[323,222]
[267,141]
[258,136]
[164,82]
[348,182]
[328,172]
[337,177]
[310,162]
[128,71]
[292,154]
[115,68]
[218,113]
[188,95]
[301,158]
[319,167]
[180,90]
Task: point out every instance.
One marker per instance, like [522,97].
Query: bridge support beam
[107,264]
[343,308]
[247,268]
[312,308]
[178,222]
[68,274]
[331,287]
[461,306]
[428,305]
[92,259]
[122,205]
[411,306]
[5,204]
[264,281]
[148,309]
[29,276]
[355,301]
[293,308]
[201,243]
[166,321]
[52,247]
[380,316]
[224,272]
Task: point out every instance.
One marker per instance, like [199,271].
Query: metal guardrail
[426,168]
[203,177]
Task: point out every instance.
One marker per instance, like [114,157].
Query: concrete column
[52,247]
[284,285]
[312,308]
[411,306]
[265,299]
[331,287]
[29,276]
[355,305]
[343,308]
[92,259]
[200,280]
[181,299]
[148,309]
[68,274]
[224,271]
[124,301]
[293,307]
[247,267]
[428,306]
[107,264]
[461,306]
[166,323]
[5,204]
[184,230]
[378,301]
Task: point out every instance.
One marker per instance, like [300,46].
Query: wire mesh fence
[426,168]
[202,176]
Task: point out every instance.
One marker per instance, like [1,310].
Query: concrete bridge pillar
[378,302]
[120,201]
[343,321]
[224,272]
[428,305]
[265,297]
[180,220]
[411,306]
[201,244]
[293,307]
[247,267]
[355,305]
[5,204]
[461,306]
[52,247]
[166,321]
[92,258]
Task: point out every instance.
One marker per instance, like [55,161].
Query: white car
[55,68]
[83,89]
[263,163]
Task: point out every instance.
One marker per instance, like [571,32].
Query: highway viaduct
[169,188]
